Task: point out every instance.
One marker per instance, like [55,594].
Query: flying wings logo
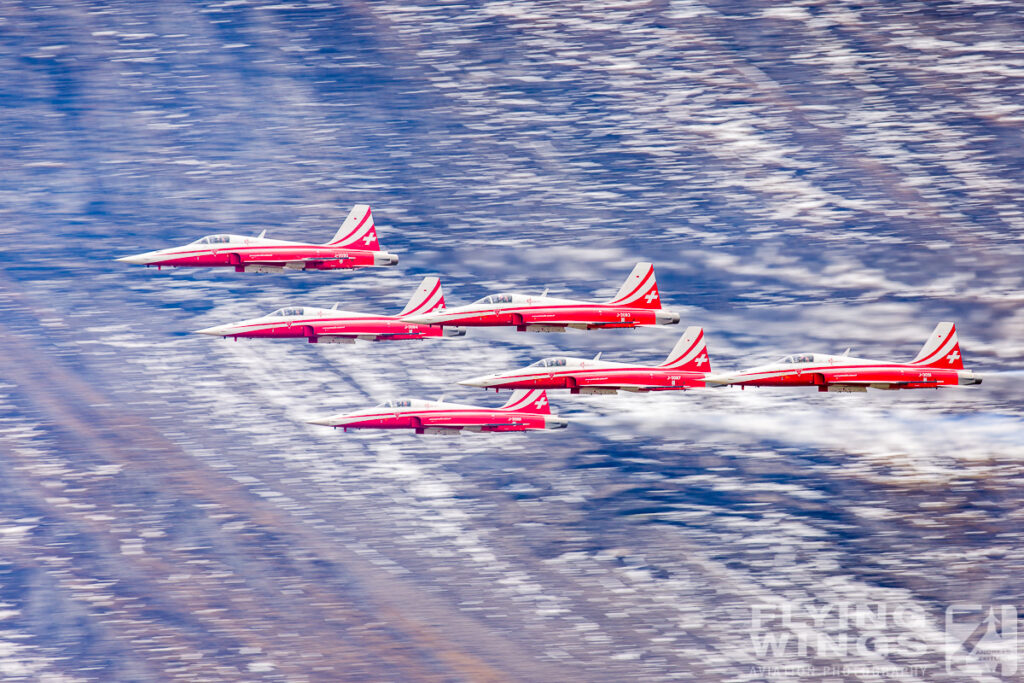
[981,639]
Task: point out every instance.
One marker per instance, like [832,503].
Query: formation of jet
[685,368]
[354,246]
[938,364]
[524,411]
[637,303]
[330,325]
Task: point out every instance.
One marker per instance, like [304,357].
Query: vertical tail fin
[942,350]
[357,231]
[690,352]
[528,401]
[640,290]
[427,297]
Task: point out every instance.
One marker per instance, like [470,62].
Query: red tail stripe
[356,229]
[525,400]
[697,341]
[425,301]
[521,402]
[638,287]
[936,352]
[936,357]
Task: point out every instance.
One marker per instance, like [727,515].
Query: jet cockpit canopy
[286,312]
[549,363]
[214,239]
[498,299]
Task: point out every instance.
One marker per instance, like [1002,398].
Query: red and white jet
[354,246]
[685,368]
[526,410]
[637,303]
[333,326]
[938,364]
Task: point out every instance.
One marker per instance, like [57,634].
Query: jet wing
[295,264]
[467,424]
[581,324]
[351,337]
[638,387]
[624,387]
[891,383]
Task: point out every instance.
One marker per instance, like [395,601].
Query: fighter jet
[637,303]
[354,246]
[526,410]
[938,364]
[685,368]
[333,326]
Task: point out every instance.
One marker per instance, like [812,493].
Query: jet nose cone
[217,330]
[137,259]
[146,258]
[481,381]
[327,421]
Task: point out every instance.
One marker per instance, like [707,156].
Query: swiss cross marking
[369,237]
[540,402]
[701,359]
[652,296]
[953,356]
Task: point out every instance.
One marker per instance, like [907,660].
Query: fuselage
[327,325]
[546,314]
[261,253]
[581,375]
[436,415]
[843,373]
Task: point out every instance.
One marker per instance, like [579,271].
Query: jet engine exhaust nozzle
[667,318]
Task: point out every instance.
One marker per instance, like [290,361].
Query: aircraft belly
[281,332]
[541,317]
[179,261]
[348,329]
[792,379]
[442,421]
[661,381]
[482,319]
[595,380]
[507,428]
